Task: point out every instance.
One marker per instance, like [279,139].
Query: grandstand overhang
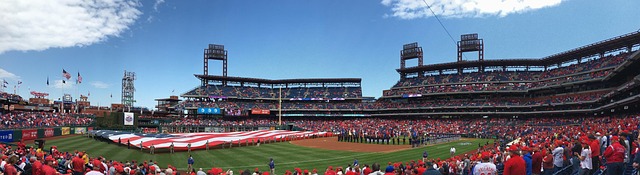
[474,63]
[356,81]
[622,42]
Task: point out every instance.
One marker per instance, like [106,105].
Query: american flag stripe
[199,140]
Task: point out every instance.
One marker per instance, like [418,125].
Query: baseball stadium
[312,124]
[571,112]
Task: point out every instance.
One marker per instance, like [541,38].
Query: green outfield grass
[287,156]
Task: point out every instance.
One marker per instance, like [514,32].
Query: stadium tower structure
[215,52]
[128,89]
[410,51]
[244,96]
[586,80]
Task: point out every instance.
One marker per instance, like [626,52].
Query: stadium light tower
[215,52]
[410,51]
[128,89]
[471,43]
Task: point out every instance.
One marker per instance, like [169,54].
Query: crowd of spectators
[386,104]
[529,145]
[19,119]
[496,86]
[507,80]
[220,122]
[264,92]
[9,96]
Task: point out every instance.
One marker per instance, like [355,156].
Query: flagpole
[77,91]
[280,107]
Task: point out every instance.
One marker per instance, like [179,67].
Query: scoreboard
[469,42]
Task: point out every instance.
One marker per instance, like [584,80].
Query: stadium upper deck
[591,79]
[594,62]
[292,89]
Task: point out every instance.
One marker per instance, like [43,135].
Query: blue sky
[163,41]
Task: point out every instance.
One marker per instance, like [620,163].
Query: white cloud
[100,84]
[39,25]
[411,9]
[8,75]
[155,5]
[59,85]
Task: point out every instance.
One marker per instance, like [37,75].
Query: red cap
[486,155]
[513,148]
[49,158]
[119,169]
[558,142]
[615,138]
[265,173]
[80,154]
[315,171]
[585,141]
[306,171]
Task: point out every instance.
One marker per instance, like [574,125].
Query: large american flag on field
[199,140]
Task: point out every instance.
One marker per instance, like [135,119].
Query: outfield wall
[16,135]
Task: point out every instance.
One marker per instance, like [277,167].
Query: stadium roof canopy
[610,45]
[281,81]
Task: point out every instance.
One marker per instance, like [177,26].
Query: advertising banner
[6,136]
[212,111]
[81,130]
[128,118]
[65,130]
[260,111]
[29,134]
[48,132]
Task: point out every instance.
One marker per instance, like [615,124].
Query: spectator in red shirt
[48,169]
[536,161]
[615,157]
[9,169]
[547,162]
[515,165]
[595,153]
[78,164]
[36,165]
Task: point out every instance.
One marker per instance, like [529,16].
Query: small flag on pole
[79,79]
[66,74]
[47,80]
